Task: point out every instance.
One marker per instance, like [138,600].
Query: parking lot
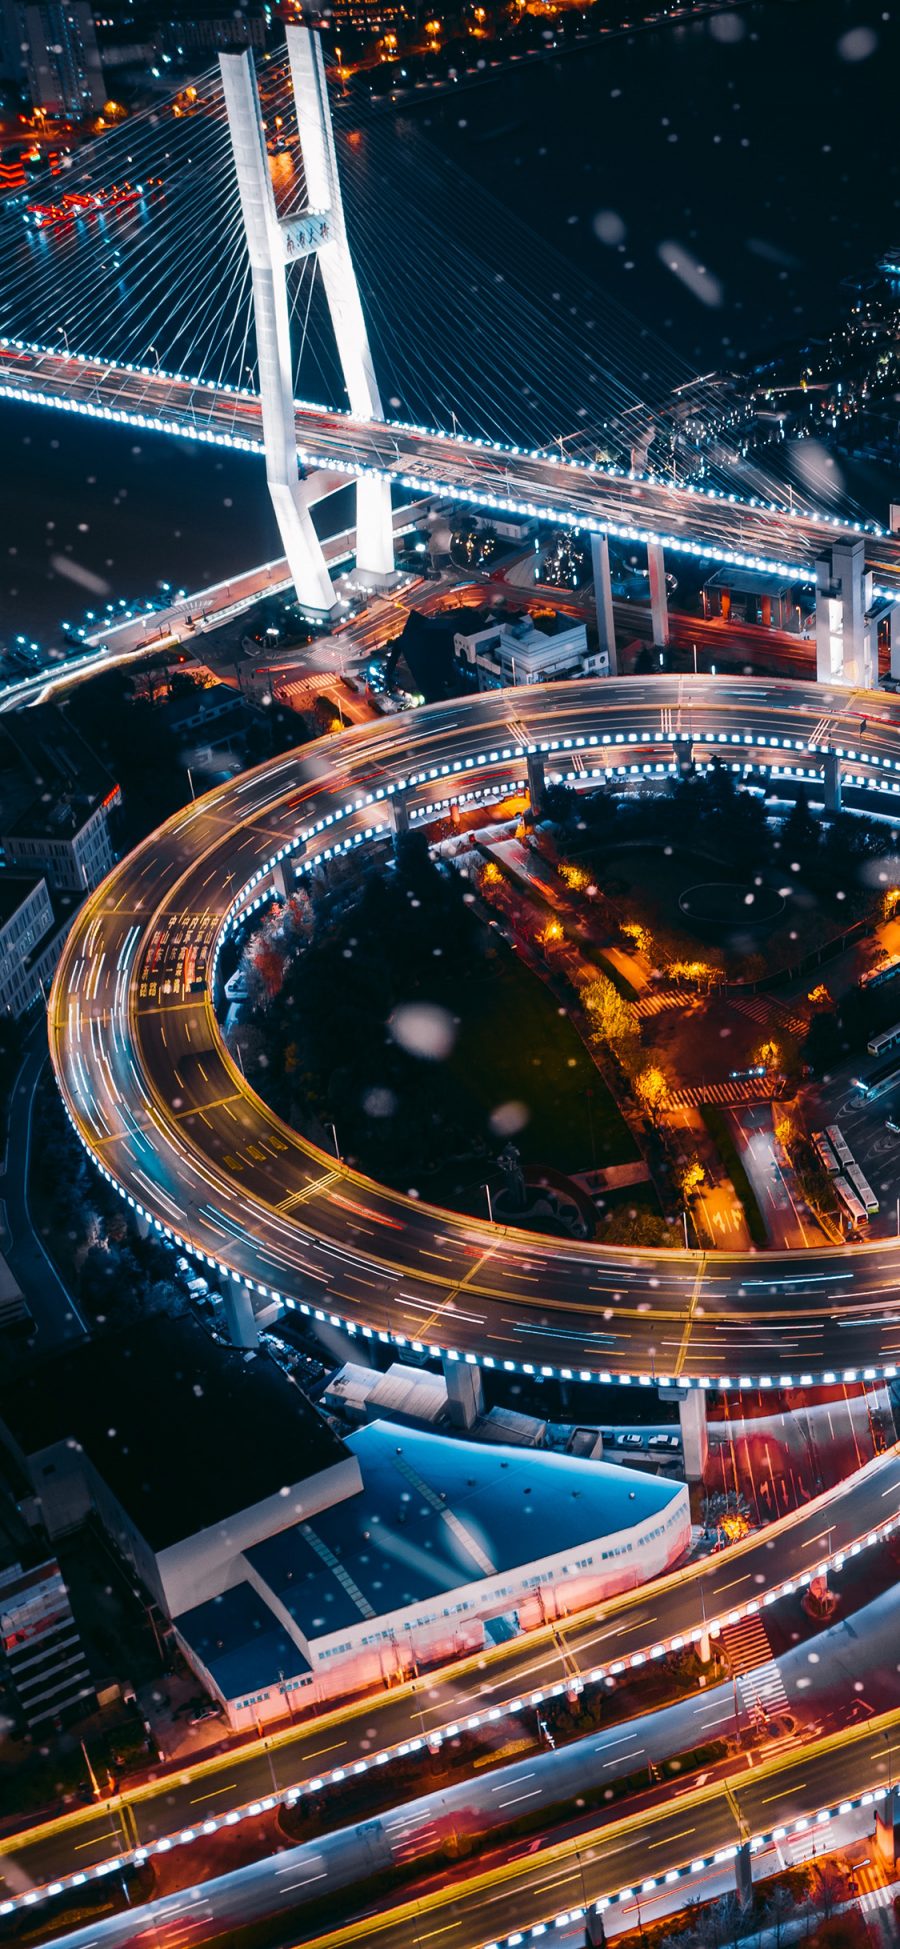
[875,1147]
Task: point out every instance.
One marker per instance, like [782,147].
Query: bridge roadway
[158,1102]
[720,527]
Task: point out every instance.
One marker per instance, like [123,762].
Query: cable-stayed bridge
[234,267]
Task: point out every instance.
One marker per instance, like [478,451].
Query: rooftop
[184,1431]
[66,780]
[434,1514]
[241,1642]
[15,889]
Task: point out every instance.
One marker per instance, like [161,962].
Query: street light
[337,1148]
[487,1192]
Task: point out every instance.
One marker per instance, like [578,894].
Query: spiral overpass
[171,1122]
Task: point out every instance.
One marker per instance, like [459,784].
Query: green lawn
[515,1047]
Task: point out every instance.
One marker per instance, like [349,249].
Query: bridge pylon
[273,244]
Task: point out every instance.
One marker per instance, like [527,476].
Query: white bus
[838,1143]
[888,1039]
[863,1189]
[853,1207]
[824,1153]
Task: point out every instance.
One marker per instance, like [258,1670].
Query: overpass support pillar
[743,1874]
[279,878]
[374,523]
[465,1394]
[887,1829]
[694,1434]
[606,626]
[268,251]
[240,1318]
[844,637]
[659,601]
[537,783]
[398,813]
[832,782]
[594,1932]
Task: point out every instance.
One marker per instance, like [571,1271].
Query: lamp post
[487,1192]
[334,1136]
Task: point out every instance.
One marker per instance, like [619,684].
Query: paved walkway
[54,1310]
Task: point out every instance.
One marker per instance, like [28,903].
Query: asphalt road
[603,1642]
[163,1110]
[55,1313]
[671,1832]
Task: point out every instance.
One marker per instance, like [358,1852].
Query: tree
[612,1018]
[651,1089]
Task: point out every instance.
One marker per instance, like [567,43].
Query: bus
[877,976]
[888,1039]
[838,1143]
[884,1077]
[863,1189]
[852,1206]
[824,1153]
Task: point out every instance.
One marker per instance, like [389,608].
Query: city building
[57,802]
[747,595]
[289,1560]
[43,1658]
[491,655]
[50,51]
[33,927]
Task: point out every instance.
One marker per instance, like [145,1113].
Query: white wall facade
[379,1651]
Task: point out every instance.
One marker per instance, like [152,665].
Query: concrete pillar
[603,601]
[659,601]
[374,521]
[894,627]
[266,251]
[280,880]
[694,1435]
[239,1315]
[743,1874]
[537,783]
[142,1224]
[594,1932]
[832,782]
[887,1829]
[398,813]
[844,639]
[465,1394]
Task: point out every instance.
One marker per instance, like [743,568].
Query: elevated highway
[168,1118]
[708,525]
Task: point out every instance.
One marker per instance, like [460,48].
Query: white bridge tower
[274,243]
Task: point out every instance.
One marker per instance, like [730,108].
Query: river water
[755,152]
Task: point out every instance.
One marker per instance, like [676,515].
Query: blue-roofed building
[449,1545]
[241,1650]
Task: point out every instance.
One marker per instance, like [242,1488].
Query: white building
[32,932]
[289,1560]
[495,655]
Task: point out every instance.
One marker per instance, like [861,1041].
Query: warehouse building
[295,1563]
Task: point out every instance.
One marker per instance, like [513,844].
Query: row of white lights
[661,1648]
[603,470]
[797,572]
[654,1883]
[241,907]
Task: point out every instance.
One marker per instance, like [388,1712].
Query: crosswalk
[750,1656]
[752,1089]
[769,1012]
[662,999]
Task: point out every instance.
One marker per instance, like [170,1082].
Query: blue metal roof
[241,1642]
[435,1513]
